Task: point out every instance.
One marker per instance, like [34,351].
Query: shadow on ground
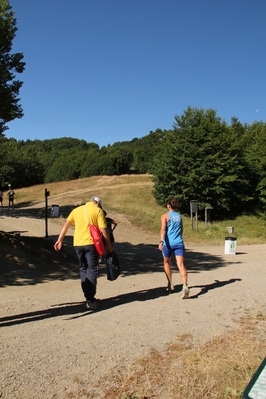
[23,210]
[76,310]
[31,260]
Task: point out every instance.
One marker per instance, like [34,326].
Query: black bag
[112,266]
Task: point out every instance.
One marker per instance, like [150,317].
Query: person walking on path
[83,244]
[111,225]
[10,195]
[171,242]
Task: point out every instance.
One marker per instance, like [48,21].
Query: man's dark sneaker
[170,287]
[92,305]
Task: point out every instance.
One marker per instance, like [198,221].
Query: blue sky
[112,70]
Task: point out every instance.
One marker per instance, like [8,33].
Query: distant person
[1,199]
[11,195]
[86,252]
[111,225]
[171,242]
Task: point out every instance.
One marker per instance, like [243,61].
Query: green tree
[30,171]
[145,149]
[10,65]
[200,161]
[91,164]
[8,155]
[115,160]
[255,157]
[21,165]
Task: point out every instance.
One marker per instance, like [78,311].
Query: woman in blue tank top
[171,242]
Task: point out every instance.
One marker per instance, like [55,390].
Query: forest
[201,158]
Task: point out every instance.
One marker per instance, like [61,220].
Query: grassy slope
[132,195]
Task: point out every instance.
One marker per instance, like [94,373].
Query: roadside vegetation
[132,195]
[220,368]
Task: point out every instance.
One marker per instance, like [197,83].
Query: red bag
[97,239]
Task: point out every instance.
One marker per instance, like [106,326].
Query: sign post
[194,209]
[46,194]
[208,215]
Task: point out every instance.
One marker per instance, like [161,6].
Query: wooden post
[208,215]
[46,194]
[194,209]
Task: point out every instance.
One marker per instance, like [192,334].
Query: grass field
[132,195]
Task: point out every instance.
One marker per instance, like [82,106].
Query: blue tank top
[173,234]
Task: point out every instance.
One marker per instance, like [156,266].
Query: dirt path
[50,346]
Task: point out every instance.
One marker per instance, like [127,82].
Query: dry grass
[132,195]
[219,369]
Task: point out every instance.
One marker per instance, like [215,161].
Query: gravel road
[51,346]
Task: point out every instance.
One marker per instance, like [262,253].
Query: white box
[230,245]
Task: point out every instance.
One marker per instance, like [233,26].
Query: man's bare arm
[59,242]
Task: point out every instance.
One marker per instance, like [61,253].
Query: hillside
[130,198]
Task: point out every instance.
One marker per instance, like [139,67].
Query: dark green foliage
[145,150]
[201,158]
[255,158]
[10,65]
[91,165]
[20,164]
[66,166]
[200,161]
[31,169]
[62,158]
[115,161]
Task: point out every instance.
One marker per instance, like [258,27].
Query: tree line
[201,158]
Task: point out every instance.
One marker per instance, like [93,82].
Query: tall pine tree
[10,65]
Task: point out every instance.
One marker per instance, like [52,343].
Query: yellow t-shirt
[94,216]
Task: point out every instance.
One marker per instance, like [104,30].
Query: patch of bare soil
[51,347]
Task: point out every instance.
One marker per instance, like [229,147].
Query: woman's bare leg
[183,274]
[167,269]
[181,267]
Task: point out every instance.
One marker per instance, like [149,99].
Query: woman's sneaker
[185,292]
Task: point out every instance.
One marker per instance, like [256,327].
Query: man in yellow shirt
[86,252]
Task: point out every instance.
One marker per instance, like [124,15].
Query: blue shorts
[178,250]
